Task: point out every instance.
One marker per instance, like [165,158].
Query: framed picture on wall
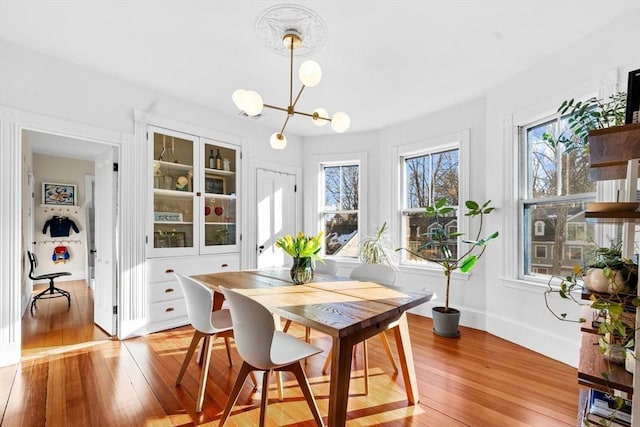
[58,194]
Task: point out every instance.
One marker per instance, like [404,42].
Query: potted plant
[585,116]
[608,272]
[436,249]
[377,249]
[614,325]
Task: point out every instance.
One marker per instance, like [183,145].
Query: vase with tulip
[304,250]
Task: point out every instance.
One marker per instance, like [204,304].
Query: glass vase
[301,270]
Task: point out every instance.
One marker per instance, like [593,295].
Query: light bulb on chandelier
[310,74]
[278,141]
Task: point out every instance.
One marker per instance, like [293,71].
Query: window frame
[512,259]
[339,159]
[456,140]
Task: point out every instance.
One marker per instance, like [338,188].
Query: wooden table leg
[407,366]
[341,354]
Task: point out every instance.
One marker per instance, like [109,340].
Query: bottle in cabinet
[212,160]
[218,160]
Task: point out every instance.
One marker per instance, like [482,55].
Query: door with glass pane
[219,202]
[173,193]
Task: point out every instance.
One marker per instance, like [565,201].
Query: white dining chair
[208,325]
[328,267]
[377,273]
[263,348]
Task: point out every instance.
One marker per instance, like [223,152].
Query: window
[427,177]
[555,190]
[340,208]
[541,251]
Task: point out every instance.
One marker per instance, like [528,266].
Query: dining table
[348,311]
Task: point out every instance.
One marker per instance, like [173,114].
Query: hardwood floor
[72,374]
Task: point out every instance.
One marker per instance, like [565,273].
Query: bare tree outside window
[340,210]
[428,177]
[557,189]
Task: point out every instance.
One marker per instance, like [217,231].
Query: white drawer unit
[167,308]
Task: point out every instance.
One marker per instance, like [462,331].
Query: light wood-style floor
[72,374]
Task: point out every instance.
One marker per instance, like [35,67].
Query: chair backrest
[329,267]
[378,273]
[253,329]
[199,301]
[33,261]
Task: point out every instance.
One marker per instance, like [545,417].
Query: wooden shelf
[610,149]
[592,366]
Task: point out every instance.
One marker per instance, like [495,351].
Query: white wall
[516,310]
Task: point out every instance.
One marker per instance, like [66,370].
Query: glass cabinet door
[173,192]
[219,195]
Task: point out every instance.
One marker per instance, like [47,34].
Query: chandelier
[250,102]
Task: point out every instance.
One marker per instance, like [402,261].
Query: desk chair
[263,348]
[329,267]
[51,291]
[208,324]
[377,273]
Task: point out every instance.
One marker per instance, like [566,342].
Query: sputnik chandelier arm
[310,73]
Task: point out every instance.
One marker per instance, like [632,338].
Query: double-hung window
[340,205]
[427,176]
[554,191]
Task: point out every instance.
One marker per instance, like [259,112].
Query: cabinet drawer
[165,291]
[166,310]
[162,269]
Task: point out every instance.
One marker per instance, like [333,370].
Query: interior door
[104,293]
[89,189]
[276,205]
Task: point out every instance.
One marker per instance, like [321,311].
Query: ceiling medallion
[274,22]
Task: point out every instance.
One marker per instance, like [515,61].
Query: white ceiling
[384,62]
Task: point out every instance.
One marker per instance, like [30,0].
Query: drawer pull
[169,310]
[169,270]
[168,290]
[224,265]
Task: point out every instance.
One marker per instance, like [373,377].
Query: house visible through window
[340,208]
[428,176]
[556,188]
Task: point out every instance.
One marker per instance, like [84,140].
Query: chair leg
[365,363]
[279,386]
[387,349]
[192,347]
[296,369]
[206,348]
[227,345]
[327,361]
[245,369]
[264,398]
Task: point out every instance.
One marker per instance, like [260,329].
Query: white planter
[596,281]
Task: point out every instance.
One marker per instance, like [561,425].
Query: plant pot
[445,323]
[596,281]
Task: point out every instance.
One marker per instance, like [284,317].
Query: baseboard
[548,343]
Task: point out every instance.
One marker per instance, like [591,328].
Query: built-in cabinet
[193,216]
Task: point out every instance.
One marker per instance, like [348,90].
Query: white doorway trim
[130,271]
